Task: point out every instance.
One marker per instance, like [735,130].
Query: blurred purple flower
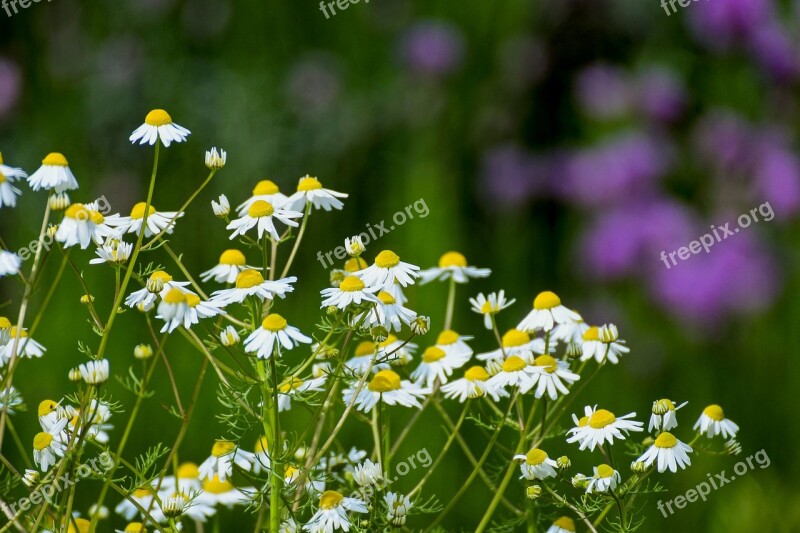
[511,175]
[622,168]
[10,85]
[603,91]
[660,94]
[314,84]
[433,48]
[723,141]
[720,24]
[777,180]
[776,51]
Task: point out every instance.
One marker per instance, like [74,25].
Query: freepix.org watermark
[421,459]
[376,231]
[715,482]
[331,6]
[718,234]
[666,4]
[11,5]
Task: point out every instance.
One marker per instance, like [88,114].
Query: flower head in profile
[157,221]
[663,416]
[250,282]
[514,342]
[351,291]
[546,313]
[668,452]
[49,445]
[158,284]
[8,175]
[536,465]
[490,305]
[10,263]
[84,224]
[599,426]
[436,364]
[603,343]
[216,160]
[474,384]
[551,376]
[262,215]
[387,313]
[231,263]
[94,372]
[452,265]
[388,387]
[54,174]
[158,125]
[604,479]
[294,387]
[563,524]
[113,251]
[221,207]
[388,270]
[274,334]
[332,512]
[225,454]
[712,422]
[310,191]
[514,372]
[11,173]
[397,507]
[266,191]
[21,344]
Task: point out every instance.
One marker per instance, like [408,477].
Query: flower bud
[75,375]
[337,276]
[609,333]
[143,351]
[533,492]
[31,477]
[354,246]
[173,507]
[379,333]
[421,325]
[87,299]
[332,310]
[229,337]
[563,462]
[579,481]
[733,447]
[639,467]
[59,201]
[216,160]
[221,207]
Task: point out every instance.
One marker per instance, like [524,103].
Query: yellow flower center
[2,177]
[548,362]
[134,527]
[15,333]
[175,296]
[46,407]
[447,337]
[386,298]
[290,473]
[486,307]
[365,348]
[260,208]
[583,421]
[222,448]
[308,184]
[387,259]
[592,334]
[82,524]
[714,412]
[385,381]
[514,338]
[390,339]
[158,117]
[160,275]
[351,284]
[141,493]
[535,457]
[513,364]
[565,523]
[188,471]
[330,499]
[232,257]
[290,385]
[274,322]
[666,440]
[80,212]
[546,300]
[137,213]
[42,440]
[5,323]
[601,418]
[665,405]
[433,354]
[264,188]
[262,445]
[215,486]
[192,300]
[55,159]
[604,471]
[354,264]
[476,373]
[249,278]
[452,259]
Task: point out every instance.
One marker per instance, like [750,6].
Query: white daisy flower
[454,344]
[222,492]
[663,417]
[5,330]
[452,265]
[221,207]
[386,270]
[387,313]
[490,305]
[600,426]
[250,282]
[21,344]
[260,214]
[295,387]
[604,479]
[397,507]
[354,246]
[157,286]
[10,398]
[49,445]
[564,524]
[386,386]
[368,473]
[396,351]
[12,173]
[551,376]
[713,422]
[288,526]
[332,513]
[158,125]
[83,224]
[224,454]
[355,264]
[570,333]
[94,372]
[474,384]
[10,263]
[113,251]
[53,174]
[310,191]
[436,364]
[229,337]
[536,465]
[186,480]
[97,416]
[514,342]
[173,308]
[514,372]
[274,332]
[216,160]
[50,413]
[267,191]
[547,311]
[363,354]
[350,291]
[603,343]
[231,263]
[8,193]
[157,221]
[144,497]
[669,452]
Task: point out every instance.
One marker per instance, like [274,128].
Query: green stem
[300,233]
[446,447]
[451,301]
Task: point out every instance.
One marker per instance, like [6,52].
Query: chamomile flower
[21,344]
[536,465]
[397,507]
[363,355]
[274,333]
[669,452]
[157,221]
[250,282]
[10,263]
[474,384]
[143,496]
[332,513]
[8,193]
[10,399]
[551,376]
[173,308]
[97,416]
[158,125]
[50,413]
[217,491]
[230,264]
[603,343]
[386,270]
[712,422]
[158,285]
[547,312]
[49,445]
[514,342]
[564,524]
[514,372]
[490,305]
[94,372]
[354,246]
[216,160]
[663,417]
[294,387]
[386,386]
[452,265]
[368,473]
[224,454]
[261,450]
[436,364]
[221,207]
[351,291]
[395,351]
[570,333]
[229,337]
[5,330]
[186,480]
[260,215]
[604,479]
[600,426]
[83,224]
[265,190]
[310,191]
[53,174]
[113,251]
[11,172]
[388,313]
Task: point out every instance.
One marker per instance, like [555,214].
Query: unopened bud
[533,492]
[143,351]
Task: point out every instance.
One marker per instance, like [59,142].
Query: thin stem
[446,447]
[451,301]
[300,233]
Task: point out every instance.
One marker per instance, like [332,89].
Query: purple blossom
[511,175]
[777,179]
[433,48]
[660,94]
[603,91]
[720,24]
[10,85]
